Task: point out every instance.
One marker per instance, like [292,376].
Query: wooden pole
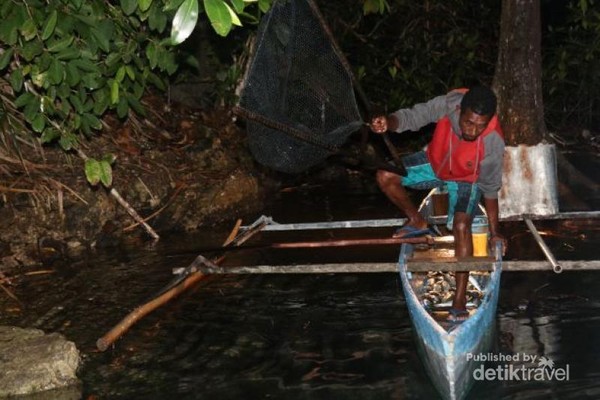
[363,242]
[140,312]
[186,279]
[130,210]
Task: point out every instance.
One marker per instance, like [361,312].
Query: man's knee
[461,226]
[386,178]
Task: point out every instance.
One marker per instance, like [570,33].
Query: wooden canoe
[447,349]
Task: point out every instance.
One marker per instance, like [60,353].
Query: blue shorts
[462,196]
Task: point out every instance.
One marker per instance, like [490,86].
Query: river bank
[180,168]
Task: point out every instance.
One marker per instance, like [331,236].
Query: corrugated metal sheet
[529,182]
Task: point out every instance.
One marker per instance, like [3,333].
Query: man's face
[471,124]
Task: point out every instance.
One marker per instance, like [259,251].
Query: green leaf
[44,61]
[130,72]
[136,105]
[67,142]
[49,135]
[264,5]
[6,57]
[157,19]
[101,39]
[122,108]
[76,4]
[143,5]
[29,29]
[129,6]
[106,173]
[16,80]
[92,171]
[114,92]
[184,21]
[238,5]
[152,55]
[32,49]
[92,121]
[219,16]
[101,102]
[39,123]
[113,59]
[50,25]
[9,31]
[24,99]
[92,81]
[109,158]
[70,53]
[156,81]
[55,72]
[120,75]
[31,110]
[86,65]
[73,75]
[171,5]
[235,20]
[76,102]
[60,45]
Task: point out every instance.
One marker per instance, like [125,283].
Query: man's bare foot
[408,231]
[457,315]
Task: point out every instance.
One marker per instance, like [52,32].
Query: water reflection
[303,336]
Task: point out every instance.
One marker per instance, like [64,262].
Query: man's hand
[499,238]
[379,124]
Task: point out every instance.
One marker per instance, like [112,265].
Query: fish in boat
[447,348]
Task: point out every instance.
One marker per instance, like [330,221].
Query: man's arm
[415,118]
[492,210]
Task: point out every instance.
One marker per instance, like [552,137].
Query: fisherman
[464,156]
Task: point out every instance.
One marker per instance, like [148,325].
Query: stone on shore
[34,362]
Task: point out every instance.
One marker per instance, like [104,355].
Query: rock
[34,362]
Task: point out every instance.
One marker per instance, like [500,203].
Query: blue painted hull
[445,353]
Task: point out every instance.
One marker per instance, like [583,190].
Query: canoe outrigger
[445,346]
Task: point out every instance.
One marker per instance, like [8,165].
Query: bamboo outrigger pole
[545,249]
[466,264]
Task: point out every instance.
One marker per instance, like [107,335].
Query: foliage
[64,64]
[100,171]
[405,52]
[570,77]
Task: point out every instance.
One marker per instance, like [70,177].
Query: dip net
[298,95]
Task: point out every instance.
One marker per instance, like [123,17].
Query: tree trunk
[529,183]
[518,77]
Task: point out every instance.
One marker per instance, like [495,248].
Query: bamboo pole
[413,266]
[394,222]
[545,249]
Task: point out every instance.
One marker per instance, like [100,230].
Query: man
[465,155]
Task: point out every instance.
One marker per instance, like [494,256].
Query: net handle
[298,134]
[357,85]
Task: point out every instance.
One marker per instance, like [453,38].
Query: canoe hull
[447,354]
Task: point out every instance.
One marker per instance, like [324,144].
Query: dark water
[304,336]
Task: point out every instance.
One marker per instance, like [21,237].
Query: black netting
[298,96]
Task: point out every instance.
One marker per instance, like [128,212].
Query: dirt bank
[180,168]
